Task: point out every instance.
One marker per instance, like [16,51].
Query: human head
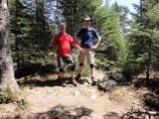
[86,21]
[62,27]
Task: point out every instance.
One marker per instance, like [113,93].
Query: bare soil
[48,100]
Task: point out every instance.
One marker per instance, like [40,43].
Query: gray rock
[110,80]
[117,77]
[107,85]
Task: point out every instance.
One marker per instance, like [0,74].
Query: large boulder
[107,85]
[110,80]
[116,76]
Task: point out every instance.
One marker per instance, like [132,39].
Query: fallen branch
[151,99]
[140,114]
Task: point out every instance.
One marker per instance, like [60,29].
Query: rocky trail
[82,102]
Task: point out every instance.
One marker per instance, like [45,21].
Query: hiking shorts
[89,54]
[68,60]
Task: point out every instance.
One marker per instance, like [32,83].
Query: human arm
[98,39]
[96,44]
[76,43]
[55,52]
[78,46]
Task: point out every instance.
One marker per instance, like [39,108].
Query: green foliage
[132,67]
[7,96]
[74,10]
[30,36]
[115,44]
[86,70]
[153,16]
[143,37]
[122,12]
[31,40]
[103,63]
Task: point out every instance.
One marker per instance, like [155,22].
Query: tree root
[152,100]
[140,114]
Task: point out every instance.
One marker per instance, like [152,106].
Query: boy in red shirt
[62,51]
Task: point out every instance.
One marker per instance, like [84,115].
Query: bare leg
[61,74]
[81,60]
[92,72]
[73,78]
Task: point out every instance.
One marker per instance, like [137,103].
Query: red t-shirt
[63,41]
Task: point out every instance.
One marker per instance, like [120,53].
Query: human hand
[82,50]
[54,56]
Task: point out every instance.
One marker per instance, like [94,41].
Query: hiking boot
[89,81]
[74,82]
[78,76]
[94,81]
[60,80]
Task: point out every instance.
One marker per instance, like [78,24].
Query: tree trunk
[149,61]
[7,79]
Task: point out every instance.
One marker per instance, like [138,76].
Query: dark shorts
[65,60]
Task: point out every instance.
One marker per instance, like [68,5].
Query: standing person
[62,51]
[86,37]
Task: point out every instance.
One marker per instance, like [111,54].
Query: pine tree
[144,35]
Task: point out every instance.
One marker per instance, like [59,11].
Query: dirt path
[81,102]
[101,104]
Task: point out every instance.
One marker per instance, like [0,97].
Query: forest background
[130,45]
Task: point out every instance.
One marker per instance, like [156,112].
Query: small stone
[76,93]
[93,97]
[86,83]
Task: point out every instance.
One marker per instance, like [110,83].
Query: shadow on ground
[58,112]
[152,84]
[112,115]
[42,83]
[49,82]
